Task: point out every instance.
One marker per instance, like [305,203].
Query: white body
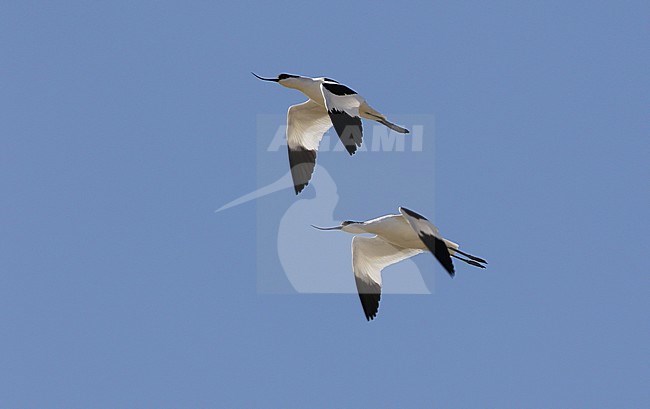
[307,122]
[308,86]
[312,88]
[394,229]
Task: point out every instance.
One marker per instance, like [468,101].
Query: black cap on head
[285,76]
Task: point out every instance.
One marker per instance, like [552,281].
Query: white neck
[308,86]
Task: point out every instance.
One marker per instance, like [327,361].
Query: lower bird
[397,237]
[329,103]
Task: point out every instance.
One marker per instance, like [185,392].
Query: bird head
[350,226]
[287,80]
[347,226]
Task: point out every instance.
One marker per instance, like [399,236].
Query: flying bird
[397,237]
[329,103]
[324,275]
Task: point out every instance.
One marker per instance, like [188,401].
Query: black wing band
[338,89]
[413,214]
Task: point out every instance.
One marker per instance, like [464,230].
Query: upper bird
[397,237]
[329,103]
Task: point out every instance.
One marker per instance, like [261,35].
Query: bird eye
[285,76]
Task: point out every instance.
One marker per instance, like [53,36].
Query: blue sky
[124,125]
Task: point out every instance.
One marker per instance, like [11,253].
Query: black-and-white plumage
[397,237]
[329,103]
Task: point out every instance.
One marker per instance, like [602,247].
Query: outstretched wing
[431,238]
[306,124]
[370,255]
[342,105]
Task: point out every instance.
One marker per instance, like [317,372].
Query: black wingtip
[451,272]
[299,188]
[440,251]
[370,304]
[302,163]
